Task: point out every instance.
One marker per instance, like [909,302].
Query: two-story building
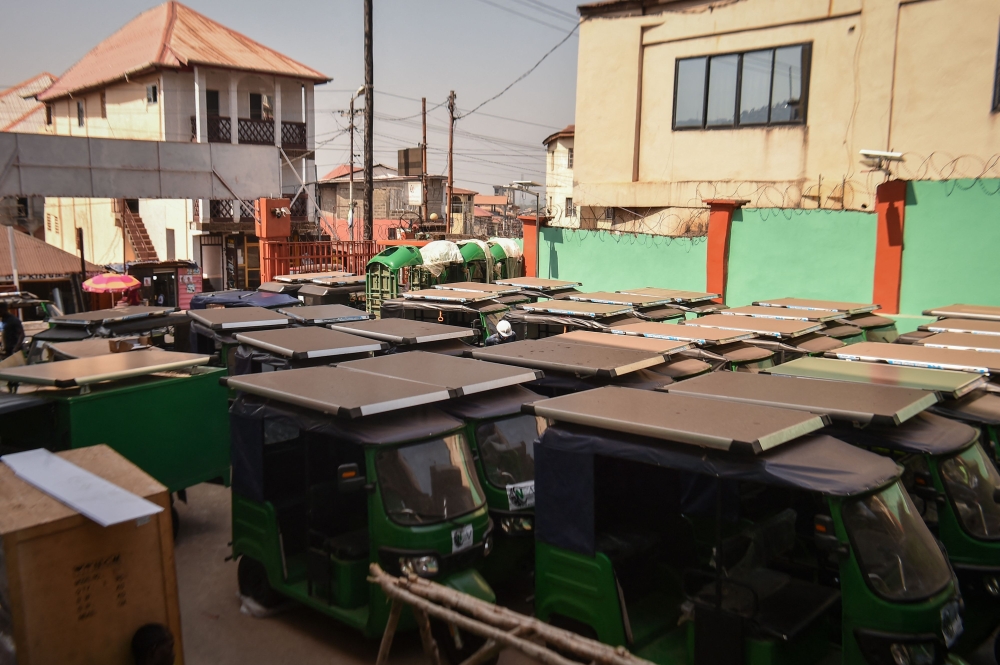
[172,74]
[771,102]
[560,206]
[21,113]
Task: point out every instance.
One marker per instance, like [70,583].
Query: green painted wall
[951,244]
[775,253]
[606,261]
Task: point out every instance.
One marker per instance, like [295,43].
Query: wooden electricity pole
[369,123]
[451,160]
[423,158]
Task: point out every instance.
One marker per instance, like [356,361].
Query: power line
[545,9]
[517,13]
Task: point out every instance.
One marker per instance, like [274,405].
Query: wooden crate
[77,592]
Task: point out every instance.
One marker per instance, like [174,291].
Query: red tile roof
[486,200]
[37,259]
[340,171]
[564,133]
[15,109]
[481,212]
[173,36]
[464,192]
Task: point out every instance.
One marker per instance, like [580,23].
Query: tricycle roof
[403,331]
[320,314]
[339,280]
[239,318]
[303,277]
[537,283]
[569,357]
[290,288]
[495,289]
[962,341]
[699,336]
[110,367]
[572,308]
[309,342]
[808,303]
[821,315]
[958,311]
[448,295]
[764,327]
[676,295]
[104,316]
[630,299]
[974,326]
[651,344]
[981,362]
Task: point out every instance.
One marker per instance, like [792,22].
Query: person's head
[504,329]
[153,644]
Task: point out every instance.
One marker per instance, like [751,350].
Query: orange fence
[285,258]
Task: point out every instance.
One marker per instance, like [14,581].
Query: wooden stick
[426,637]
[491,649]
[390,632]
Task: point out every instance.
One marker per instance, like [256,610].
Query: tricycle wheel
[253,582]
[448,648]
[175,522]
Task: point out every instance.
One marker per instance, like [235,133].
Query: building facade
[172,74]
[560,207]
[771,102]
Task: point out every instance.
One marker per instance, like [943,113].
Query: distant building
[463,213]
[559,204]
[20,112]
[172,74]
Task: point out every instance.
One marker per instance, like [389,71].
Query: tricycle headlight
[423,566]
[513,524]
[919,653]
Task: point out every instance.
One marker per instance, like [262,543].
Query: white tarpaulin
[438,254]
[509,247]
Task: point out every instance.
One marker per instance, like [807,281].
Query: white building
[559,204]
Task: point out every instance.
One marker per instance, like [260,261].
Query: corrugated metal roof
[37,259]
[15,110]
[487,200]
[173,36]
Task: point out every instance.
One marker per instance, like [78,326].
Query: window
[260,107]
[570,209]
[152,94]
[569,159]
[79,114]
[754,88]
[48,114]
[212,102]
[609,214]
[171,245]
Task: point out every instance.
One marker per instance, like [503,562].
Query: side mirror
[349,479]
[825,537]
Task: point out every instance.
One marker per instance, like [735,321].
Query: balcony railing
[254,132]
[283,258]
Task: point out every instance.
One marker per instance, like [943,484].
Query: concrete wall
[559,183]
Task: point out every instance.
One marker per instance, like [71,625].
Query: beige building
[560,206]
[771,101]
[172,74]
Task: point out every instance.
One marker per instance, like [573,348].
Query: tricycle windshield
[969,479]
[428,482]
[507,448]
[896,552]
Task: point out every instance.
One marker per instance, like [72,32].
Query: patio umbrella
[110,282]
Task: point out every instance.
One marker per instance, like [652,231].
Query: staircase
[138,236]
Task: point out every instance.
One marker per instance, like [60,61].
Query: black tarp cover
[242,299]
[489,404]
[979,407]
[562,382]
[923,433]
[564,473]
[256,422]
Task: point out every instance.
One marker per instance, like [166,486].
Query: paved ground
[216,633]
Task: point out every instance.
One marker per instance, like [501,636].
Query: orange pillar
[529,226]
[720,220]
[890,206]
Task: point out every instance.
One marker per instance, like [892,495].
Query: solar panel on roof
[971,326]
[634,342]
[676,295]
[290,288]
[339,391]
[806,303]
[570,357]
[304,277]
[864,403]
[630,299]
[764,327]
[786,313]
[116,315]
[537,283]
[84,348]
[922,356]
[238,318]
[462,376]
[110,367]
[445,295]
[310,342]
[404,331]
[591,310]
[495,289]
[983,312]
[962,341]
[320,314]
[342,280]
[951,383]
[744,428]
[694,334]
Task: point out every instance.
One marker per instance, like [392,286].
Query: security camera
[281,212]
[882,155]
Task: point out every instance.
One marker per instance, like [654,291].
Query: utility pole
[350,186]
[423,157]
[451,161]
[369,124]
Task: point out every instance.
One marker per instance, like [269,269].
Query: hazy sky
[423,48]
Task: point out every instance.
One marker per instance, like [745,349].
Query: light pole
[350,209]
[525,186]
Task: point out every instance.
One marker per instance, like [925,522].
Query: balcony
[253,132]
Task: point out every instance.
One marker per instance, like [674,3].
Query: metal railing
[256,132]
[283,258]
[293,135]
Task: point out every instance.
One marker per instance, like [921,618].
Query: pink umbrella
[110,282]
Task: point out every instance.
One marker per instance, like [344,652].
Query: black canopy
[923,433]
[491,404]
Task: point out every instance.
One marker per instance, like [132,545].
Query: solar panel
[806,303]
[321,314]
[304,277]
[864,403]
[922,356]
[634,342]
[537,283]
[950,383]
[310,342]
[446,295]
[972,326]
[786,313]
[339,391]
[495,289]
[982,312]
[694,334]
[84,348]
[764,327]
[592,310]
[462,376]
[676,295]
[340,280]
[745,428]
[962,341]
[116,315]
[630,299]
[238,318]
[569,357]
[109,367]
[279,287]
[404,331]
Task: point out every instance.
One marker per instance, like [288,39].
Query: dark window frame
[152,94]
[996,82]
[81,113]
[104,105]
[48,115]
[805,84]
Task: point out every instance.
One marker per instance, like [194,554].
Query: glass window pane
[689,104]
[755,87]
[722,90]
[786,92]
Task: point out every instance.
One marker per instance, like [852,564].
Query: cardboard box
[77,592]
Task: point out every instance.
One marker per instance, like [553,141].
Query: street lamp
[525,186]
[350,195]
